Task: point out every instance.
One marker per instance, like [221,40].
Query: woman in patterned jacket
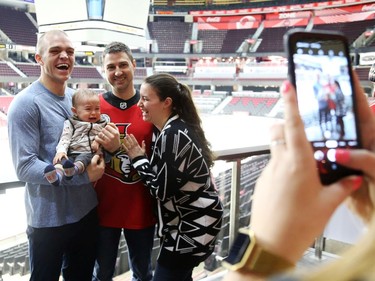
[178,176]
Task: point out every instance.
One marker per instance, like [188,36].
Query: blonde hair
[357,263]
[40,46]
[82,95]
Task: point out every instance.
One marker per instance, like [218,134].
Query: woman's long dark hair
[166,86]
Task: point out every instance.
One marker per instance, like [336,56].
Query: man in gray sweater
[62,220]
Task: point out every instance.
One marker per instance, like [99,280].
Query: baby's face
[88,110]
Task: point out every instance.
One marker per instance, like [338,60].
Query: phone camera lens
[319,155]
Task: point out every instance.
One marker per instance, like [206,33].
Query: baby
[77,143]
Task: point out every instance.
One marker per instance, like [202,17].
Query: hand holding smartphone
[319,67]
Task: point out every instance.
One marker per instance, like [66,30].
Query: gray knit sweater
[35,122]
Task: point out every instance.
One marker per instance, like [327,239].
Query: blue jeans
[139,242]
[163,273]
[67,249]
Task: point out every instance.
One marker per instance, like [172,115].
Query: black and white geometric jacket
[188,207]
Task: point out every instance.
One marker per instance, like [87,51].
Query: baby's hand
[59,157]
[95,146]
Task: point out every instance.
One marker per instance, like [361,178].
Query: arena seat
[170,35]
[30,69]
[255,106]
[212,40]
[351,29]
[89,72]
[234,38]
[272,39]
[18,27]
[362,72]
[6,70]
[140,72]
[12,260]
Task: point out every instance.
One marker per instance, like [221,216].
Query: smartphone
[319,66]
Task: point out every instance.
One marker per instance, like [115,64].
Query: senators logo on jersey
[120,166]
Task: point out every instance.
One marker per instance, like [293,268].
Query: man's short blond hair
[40,46]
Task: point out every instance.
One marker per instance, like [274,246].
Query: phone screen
[319,67]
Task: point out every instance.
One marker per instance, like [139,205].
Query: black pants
[68,249]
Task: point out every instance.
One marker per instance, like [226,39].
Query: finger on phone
[294,129]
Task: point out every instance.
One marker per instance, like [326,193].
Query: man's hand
[96,168]
[109,138]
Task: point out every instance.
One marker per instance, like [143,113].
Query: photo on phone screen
[319,67]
